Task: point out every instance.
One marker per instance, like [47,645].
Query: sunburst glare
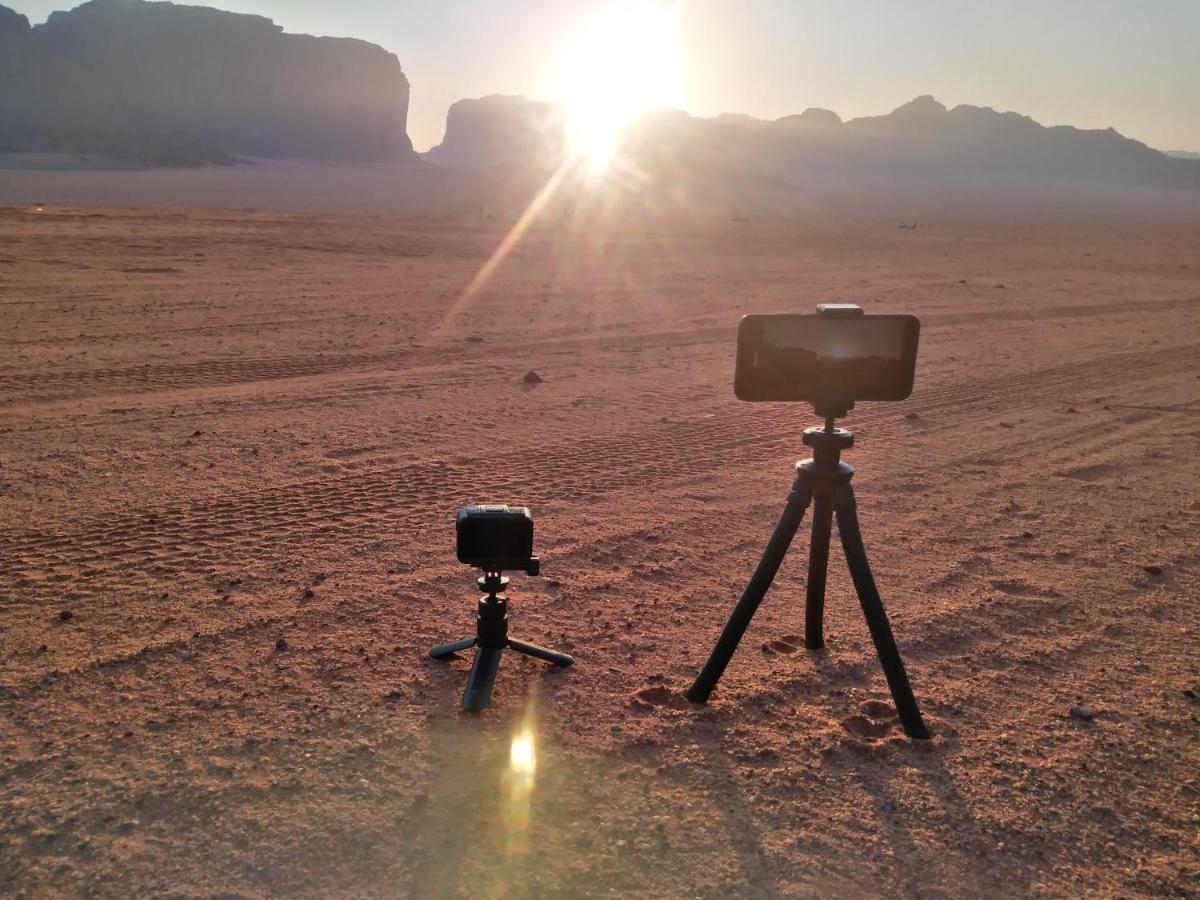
[621,63]
[520,778]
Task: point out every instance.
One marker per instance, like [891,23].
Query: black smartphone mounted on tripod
[830,360]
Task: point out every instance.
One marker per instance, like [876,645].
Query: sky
[1128,64]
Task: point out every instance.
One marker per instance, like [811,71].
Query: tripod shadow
[737,813]
[962,866]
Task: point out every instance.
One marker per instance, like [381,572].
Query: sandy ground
[220,430]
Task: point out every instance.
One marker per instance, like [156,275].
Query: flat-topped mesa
[498,130]
[111,73]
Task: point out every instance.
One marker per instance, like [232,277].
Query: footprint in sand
[789,643]
[658,696]
[875,719]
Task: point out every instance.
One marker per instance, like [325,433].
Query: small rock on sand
[281,644]
[532,377]
[1086,713]
[1152,569]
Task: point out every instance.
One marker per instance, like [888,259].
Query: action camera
[496,538]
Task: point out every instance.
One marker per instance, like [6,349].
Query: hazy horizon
[1087,63]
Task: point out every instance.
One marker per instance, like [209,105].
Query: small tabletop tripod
[491,638]
[823,480]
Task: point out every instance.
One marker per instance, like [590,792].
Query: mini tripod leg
[483,675]
[877,620]
[449,649]
[739,621]
[818,564]
[550,656]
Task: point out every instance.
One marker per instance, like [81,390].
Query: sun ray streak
[506,245]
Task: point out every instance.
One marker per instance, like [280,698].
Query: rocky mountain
[163,82]
[499,130]
[920,148]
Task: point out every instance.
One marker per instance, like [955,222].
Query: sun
[622,62]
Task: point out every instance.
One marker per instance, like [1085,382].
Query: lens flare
[523,756]
[519,780]
[621,63]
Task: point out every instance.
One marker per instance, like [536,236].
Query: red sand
[222,429]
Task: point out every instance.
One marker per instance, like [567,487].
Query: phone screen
[811,358]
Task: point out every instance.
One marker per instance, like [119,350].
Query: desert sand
[233,443]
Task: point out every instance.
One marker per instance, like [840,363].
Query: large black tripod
[824,481]
[491,638]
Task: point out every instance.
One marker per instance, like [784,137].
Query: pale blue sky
[1130,64]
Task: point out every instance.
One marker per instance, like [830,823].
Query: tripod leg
[449,649]
[550,656]
[818,564]
[877,620]
[739,621]
[483,675]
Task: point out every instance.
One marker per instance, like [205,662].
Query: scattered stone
[1084,713]
[1072,409]
[197,433]
[308,594]
[912,416]
[1187,692]
[997,287]
[393,694]
[66,615]
[532,377]
[1007,425]
[1152,570]
[473,339]
[319,577]
[281,644]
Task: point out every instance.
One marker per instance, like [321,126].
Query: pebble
[66,615]
[1082,712]
[281,644]
[532,377]
[1152,569]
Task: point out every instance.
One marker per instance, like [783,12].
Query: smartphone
[816,358]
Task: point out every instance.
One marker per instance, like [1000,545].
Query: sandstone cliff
[131,78]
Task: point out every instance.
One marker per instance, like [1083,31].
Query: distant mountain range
[920,142]
[164,83]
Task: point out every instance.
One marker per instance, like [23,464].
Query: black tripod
[491,637]
[825,481]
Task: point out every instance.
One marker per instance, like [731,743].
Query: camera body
[496,538]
